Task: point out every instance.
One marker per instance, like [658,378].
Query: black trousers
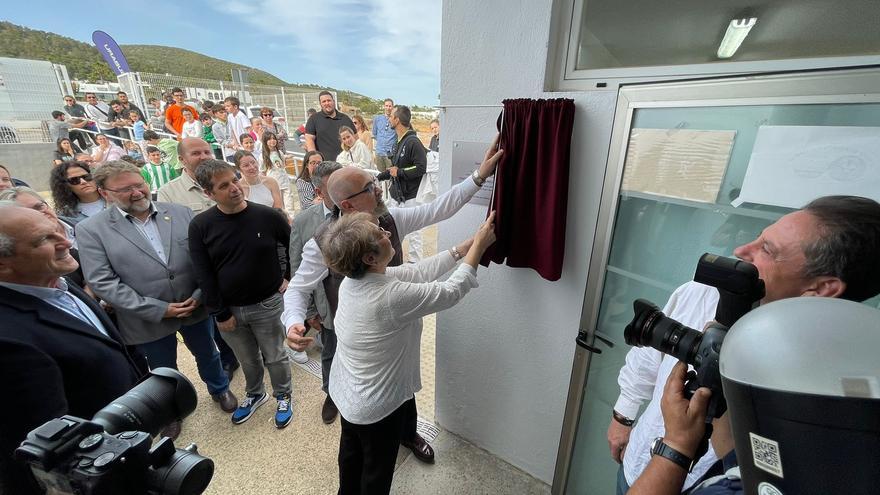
[367,453]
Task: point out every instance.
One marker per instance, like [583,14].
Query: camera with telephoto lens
[112,452]
[739,290]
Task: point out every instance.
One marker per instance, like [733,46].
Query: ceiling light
[737,31]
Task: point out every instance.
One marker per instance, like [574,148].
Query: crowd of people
[127,256]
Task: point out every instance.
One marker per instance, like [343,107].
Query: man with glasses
[135,257]
[99,112]
[78,114]
[174,113]
[355,190]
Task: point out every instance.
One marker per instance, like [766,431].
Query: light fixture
[737,31]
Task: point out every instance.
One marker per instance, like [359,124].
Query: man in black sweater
[239,251]
[409,161]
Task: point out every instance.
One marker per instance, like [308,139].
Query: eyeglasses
[41,206]
[129,189]
[267,114]
[75,181]
[371,188]
[69,101]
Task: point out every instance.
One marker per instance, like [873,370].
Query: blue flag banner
[111,52]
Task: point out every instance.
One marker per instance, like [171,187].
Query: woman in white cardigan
[354,151]
[375,371]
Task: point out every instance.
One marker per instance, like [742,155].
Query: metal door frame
[812,87]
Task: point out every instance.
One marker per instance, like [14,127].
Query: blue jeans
[199,339]
[622,486]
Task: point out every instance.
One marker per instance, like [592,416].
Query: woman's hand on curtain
[483,238]
[490,161]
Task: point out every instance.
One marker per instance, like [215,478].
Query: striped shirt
[158,175]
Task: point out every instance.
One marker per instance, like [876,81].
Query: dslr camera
[739,289]
[113,453]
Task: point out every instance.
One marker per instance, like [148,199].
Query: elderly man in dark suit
[135,256]
[304,227]
[60,352]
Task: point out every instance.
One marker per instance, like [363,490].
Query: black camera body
[739,288]
[113,453]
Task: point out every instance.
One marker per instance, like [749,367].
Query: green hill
[84,62]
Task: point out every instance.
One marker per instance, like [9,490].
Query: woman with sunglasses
[64,151]
[74,192]
[274,127]
[304,180]
[363,132]
[375,372]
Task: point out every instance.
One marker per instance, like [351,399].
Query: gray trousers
[258,337]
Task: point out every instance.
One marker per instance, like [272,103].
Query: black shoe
[421,449]
[229,369]
[328,411]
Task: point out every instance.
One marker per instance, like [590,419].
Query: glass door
[653,227]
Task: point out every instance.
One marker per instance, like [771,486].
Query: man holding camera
[61,353]
[827,249]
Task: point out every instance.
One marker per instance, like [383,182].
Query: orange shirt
[174,116]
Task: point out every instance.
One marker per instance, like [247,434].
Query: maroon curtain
[531,185]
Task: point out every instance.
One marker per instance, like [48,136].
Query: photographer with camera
[827,249]
[61,353]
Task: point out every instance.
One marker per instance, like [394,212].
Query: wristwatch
[477,179]
[663,450]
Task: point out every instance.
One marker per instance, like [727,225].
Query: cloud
[381,46]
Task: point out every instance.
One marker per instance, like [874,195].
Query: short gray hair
[847,244]
[345,242]
[111,169]
[322,171]
[12,193]
[7,242]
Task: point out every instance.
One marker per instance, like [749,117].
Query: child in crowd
[191,126]
[249,145]
[133,150]
[167,146]
[273,166]
[138,124]
[156,173]
[221,133]
[208,130]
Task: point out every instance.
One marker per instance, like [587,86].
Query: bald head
[345,182]
[192,152]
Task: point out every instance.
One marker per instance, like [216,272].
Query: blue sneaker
[284,413]
[248,406]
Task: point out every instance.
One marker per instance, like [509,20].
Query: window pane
[634,33]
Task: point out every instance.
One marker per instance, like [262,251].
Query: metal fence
[289,105]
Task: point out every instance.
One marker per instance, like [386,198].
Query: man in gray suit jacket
[135,256]
[304,227]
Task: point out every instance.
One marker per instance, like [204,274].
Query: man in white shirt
[99,112]
[237,122]
[823,250]
[357,191]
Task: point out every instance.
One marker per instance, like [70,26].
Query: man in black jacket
[61,354]
[409,161]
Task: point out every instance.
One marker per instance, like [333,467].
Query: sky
[380,48]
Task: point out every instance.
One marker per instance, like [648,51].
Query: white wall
[504,354]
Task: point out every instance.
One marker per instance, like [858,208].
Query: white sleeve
[410,301]
[310,274]
[412,219]
[426,270]
[638,376]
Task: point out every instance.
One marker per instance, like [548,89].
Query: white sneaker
[298,356]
